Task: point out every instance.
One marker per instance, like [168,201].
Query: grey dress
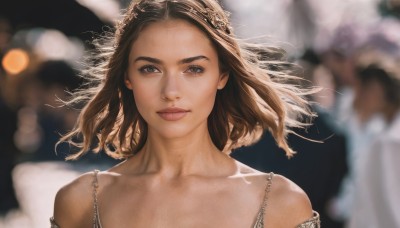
[313,222]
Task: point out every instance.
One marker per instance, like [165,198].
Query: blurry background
[42,43]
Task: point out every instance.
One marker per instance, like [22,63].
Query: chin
[176,130]
[170,131]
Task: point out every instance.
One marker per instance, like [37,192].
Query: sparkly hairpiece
[213,18]
[209,15]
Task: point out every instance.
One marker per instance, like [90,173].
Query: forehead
[172,38]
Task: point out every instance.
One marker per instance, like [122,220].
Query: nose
[170,88]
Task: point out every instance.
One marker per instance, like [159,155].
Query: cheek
[206,97]
[143,97]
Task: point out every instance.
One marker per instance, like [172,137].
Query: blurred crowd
[346,159]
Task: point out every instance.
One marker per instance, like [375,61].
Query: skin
[342,68]
[179,178]
[371,100]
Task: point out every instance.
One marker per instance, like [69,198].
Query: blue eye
[195,69]
[148,69]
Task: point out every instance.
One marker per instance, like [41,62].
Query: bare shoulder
[74,202]
[289,205]
[252,175]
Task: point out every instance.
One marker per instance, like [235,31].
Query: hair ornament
[213,18]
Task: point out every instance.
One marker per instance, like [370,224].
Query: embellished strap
[96,218]
[260,216]
[95,185]
[313,222]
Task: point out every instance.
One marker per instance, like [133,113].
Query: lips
[172,114]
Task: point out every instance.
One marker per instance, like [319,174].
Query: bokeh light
[15,61]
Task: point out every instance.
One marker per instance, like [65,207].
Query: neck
[191,155]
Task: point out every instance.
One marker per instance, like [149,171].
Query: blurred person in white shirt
[377,185]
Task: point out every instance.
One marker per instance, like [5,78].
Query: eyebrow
[183,61]
[192,59]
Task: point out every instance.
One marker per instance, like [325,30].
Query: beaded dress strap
[95,185]
[313,222]
[260,216]
[96,217]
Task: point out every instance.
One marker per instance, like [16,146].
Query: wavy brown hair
[256,97]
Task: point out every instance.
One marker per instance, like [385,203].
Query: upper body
[377,186]
[195,200]
[378,181]
[178,93]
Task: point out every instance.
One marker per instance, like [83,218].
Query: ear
[127,82]
[223,79]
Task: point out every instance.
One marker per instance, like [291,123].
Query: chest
[178,207]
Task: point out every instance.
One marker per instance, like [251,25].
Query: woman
[175,95]
[376,170]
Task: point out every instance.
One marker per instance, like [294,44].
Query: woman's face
[174,74]
[371,98]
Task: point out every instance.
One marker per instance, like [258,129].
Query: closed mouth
[172,114]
